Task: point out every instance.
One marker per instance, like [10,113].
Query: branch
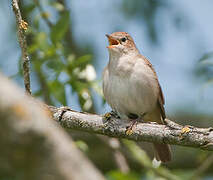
[42,12]
[32,145]
[22,26]
[145,161]
[119,158]
[206,164]
[171,133]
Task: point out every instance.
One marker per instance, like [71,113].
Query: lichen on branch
[172,133]
[21,28]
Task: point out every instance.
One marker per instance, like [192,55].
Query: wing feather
[161,100]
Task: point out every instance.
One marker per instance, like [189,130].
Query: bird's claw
[108,115]
[115,114]
[129,129]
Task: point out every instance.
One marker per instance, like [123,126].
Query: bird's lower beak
[112,41]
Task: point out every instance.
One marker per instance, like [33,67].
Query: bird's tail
[163,152]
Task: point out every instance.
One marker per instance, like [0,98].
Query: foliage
[205,68]
[60,66]
[146,12]
[57,66]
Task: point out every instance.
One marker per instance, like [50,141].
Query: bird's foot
[108,115]
[129,129]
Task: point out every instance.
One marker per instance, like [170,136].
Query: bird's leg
[134,119]
[129,129]
[113,113]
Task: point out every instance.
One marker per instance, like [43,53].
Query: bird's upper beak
[112,41]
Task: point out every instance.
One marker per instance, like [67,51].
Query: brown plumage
[131,86]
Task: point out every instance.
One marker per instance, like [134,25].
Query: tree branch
[42,12]
[119,158]
[22,26]
[206,164]
[32,145]
[171,133]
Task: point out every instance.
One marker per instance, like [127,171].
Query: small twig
[144,160]
[203,167]
[120,159]
[26,126]
[43,14]
[22,26]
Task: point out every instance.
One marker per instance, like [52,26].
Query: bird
[131,87]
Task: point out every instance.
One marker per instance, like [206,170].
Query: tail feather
[163,152]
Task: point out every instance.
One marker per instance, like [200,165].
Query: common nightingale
[131,86]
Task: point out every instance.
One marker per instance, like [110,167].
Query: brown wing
[161,100]
[161,103]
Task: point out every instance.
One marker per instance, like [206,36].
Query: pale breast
[132,91]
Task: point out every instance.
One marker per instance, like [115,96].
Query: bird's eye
[123,39]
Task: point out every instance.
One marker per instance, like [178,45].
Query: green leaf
[38,93]
[36,22]
[60,28]
[206,56]
[117,175]
[77,85]
[80,63]
[55,64]
[82,145]
[29,8]
[41,41]
[57,5]
[58,91]
[207,62]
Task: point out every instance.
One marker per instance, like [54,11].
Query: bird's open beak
[112,41]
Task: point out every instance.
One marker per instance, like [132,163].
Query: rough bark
[172,133]
[32,145]
[21,27]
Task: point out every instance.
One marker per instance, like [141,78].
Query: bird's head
[121,43]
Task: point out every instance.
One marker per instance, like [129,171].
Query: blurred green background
[67,47]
